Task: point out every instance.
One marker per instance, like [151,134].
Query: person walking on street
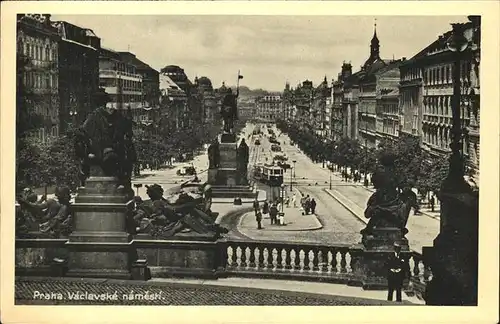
[294,200]
[432,201]
[273,212]
[256,206]
[396,272]
[258,218]
[313,206]
[265,209]
[307,204]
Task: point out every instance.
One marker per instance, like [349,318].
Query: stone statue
[214,155]
[177,213]
[105,141]
[386,208]
[229,110]
[242,161]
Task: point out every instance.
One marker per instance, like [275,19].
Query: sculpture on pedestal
[229,110]
[386,208]
[105,141]
[179,212]
[214,155]
[242,161]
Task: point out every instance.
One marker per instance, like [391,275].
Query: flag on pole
[240,77]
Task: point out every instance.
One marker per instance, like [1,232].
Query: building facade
[120,81]
[426,95]
[388,115]
[147,111]
[78,73]
[269,108]
[38,47]
[208,99]
[377,76]
[173,105]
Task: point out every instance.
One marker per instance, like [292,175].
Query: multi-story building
[350,106]
[78,72]
[269,108]
[341,108]
[173,103]
[121,82]
[426,95]
[319,97]
[207,98]
[148,109]
[287,103]
[388,114]
[376,76]
[37,46]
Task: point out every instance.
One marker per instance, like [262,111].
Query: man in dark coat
[396,272]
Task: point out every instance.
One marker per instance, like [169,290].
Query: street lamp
[282,195]
[457,43]
[294,168]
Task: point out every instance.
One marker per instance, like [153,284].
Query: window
[47,53]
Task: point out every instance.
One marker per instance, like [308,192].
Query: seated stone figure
[176,213]
[54,215]
[386,208]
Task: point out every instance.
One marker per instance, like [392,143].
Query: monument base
[187,255]
[228,138]
[100,246]
[368,260]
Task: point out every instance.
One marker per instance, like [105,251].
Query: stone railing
[235,258]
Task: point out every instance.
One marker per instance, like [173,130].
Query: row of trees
[413,167]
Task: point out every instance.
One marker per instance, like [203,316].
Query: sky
[268,50]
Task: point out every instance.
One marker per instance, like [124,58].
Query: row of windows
[40,80]
[390,108]
[443,74]
[390,127]
[125,84]
[126,98]
[44,135]
[37,52]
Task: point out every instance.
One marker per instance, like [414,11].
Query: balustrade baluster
[324,259]
[296,259]
[234,256]
[348,259]
[315,260]
[243,257]
[279,258]
[270,264]
[343,261]
[334,261]
[261,257]
[306,259]
[252,257]
[288,258]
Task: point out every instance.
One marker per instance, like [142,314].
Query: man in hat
[396,272]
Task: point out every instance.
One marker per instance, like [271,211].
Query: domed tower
[375,44]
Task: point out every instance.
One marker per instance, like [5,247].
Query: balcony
[121,74]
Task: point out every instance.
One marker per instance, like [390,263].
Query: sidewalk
[422,230]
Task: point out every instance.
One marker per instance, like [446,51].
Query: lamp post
[282,195]
[365,182]
[291,180]
[294,168]
[453,256]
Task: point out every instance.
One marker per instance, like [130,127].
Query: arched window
[47,53]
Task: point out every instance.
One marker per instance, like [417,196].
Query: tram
[269,174]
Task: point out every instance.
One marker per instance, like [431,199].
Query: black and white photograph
[247,159]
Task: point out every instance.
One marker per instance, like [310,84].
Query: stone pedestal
[368,259]
[100,245]
[228,153]
[184,255]
[453,258]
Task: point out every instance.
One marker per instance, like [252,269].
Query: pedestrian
[294,200]
[396,272]
[313,206]
[273,212]
[256,206]
[287,201]
[258,218]
[307,204]
[282,218]
[432,202]
[265,209]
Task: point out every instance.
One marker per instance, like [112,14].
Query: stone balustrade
[244,258]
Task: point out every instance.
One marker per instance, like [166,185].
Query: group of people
[269,210]
[308,205]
